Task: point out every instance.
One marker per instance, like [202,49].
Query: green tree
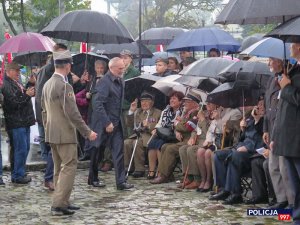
[257,28]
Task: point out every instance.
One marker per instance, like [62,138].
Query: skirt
[156,143]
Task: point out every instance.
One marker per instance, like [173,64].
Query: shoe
[272,202]
[204,190]
[124,186]
[23,180]
[222,195]
[192,185]
[49,185]
[106,167]
[233,199]
[185,183]
[1,181]
[151,177]
[253,201]
[138,174]
[279,205]
[98,184]
[85,157]
[73,207]
[159,180]
[60,211]
[199,189]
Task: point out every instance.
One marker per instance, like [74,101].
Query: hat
[193,96]
[62,57]
[126,52]
[12,66]
[146,95]
[166,61]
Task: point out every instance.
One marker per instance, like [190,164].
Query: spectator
[162,68]
[214,52]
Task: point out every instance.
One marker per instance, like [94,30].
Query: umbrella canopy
[157,55]
[202,83]
[288,31]
[230,95]
[250,40]
[207,67]
[168,84]
[113,50]
[79,62]
[27,42]
[258,11]
[134,87]
[32,58]
[88,26]
[203,39]
[160,36]
[268,47]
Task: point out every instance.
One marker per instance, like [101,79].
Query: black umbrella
[161,35]
[250,40]
[258,11]
[113,50]
[202,83]
[33,58]
[134,87]
[231,95]
[87,26]
[86,60]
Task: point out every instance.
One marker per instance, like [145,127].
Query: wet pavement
[145,204]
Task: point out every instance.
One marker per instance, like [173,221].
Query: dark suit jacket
[106,106]
[286,134]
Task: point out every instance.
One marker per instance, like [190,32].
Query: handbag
[167,134]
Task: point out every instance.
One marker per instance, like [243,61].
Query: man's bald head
[116,66]
[295,51]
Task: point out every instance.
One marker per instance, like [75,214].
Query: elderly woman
[166,120]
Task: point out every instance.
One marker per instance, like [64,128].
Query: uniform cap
[62,57]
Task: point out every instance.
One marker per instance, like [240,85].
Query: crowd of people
[216,146]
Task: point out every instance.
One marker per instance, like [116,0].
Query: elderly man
[19,116]
[285,140]
[184,126]
[143,121]
[106,120]
[61,118]
[162,68]
[130,70]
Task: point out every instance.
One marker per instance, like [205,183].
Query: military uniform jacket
[60,114]
[140,116]
[183,126]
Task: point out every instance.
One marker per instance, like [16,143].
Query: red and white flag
[159,48]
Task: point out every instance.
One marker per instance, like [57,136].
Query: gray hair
[101,62]
[114,61]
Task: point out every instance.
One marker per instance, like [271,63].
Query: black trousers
[261,181]
[96,156]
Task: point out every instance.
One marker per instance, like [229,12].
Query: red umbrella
[27,42]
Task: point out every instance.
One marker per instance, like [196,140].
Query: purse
[167,134]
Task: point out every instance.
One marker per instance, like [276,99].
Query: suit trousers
[65,165]
[139,155]
[188,157]
[97,155]
[169,155]
[261,180]
[279,176]
[293,167]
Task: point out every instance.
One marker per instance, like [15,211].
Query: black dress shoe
[1,181]
[272,202]
[199,189]
[23,180]
[73,207]
[279,205]
[60,211]
[124,186]
[85,157]
[98,184]
[233,199]
[138,174]
[222,195]
[253,201]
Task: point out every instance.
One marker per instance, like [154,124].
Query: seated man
[231,164]
[143,121]
[162,68]
[184,126]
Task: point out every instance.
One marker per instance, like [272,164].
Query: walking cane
[133,152]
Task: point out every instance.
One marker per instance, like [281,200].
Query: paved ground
[146,204]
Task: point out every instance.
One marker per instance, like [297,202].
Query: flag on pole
[83,47]
[159,48]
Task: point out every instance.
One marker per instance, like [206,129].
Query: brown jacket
[60,114]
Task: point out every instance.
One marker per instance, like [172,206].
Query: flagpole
[140,35]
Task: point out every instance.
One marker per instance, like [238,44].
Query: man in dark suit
[286,136]
[106,121]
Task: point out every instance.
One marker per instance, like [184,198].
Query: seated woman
[167,118]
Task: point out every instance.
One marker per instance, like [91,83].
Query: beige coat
[60,114]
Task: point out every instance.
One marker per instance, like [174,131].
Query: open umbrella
[32,58]
[88,26]
[250,40]
[203,39]
[207,67]
[267,47]
[27,42]
[160,35]
[202,83]
[168,84]
[113,50]
[258,11]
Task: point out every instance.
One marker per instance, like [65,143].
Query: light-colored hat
[62,57]
[193,96]
[12,66]
[126,52]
